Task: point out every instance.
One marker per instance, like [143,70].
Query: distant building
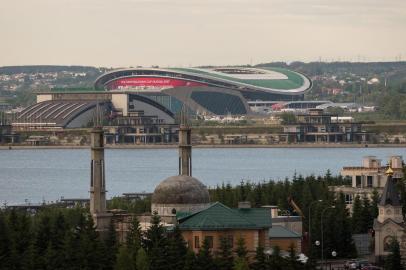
[7,136]
[138,128]
[368,177]
[318,127]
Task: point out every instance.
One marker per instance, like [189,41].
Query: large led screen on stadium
[140,83]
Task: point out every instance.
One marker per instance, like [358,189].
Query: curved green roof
[291,81]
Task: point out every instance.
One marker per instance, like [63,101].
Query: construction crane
[295,206]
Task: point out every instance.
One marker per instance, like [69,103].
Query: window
[369,181]
[209,239]
[197,242]
[358,181]
[348,198]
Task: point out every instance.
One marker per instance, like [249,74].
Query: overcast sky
[121,33]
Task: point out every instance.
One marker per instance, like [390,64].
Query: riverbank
[170,146]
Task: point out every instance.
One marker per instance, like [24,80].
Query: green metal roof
[220,217]
[279,231]
[294,80]
[76,90]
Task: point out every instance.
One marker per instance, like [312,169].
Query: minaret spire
[97,175]
[97,181]
[185,145]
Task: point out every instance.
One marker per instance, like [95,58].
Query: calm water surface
[37,175]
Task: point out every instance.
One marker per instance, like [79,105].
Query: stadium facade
[162,92]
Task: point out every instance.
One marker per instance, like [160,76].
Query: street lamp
[322,235]
[310,224]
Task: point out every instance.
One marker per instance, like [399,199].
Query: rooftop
[220,217]
[278,231]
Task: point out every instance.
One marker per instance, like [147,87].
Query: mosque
[184,201]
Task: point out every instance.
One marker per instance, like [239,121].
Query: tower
[185,146]
[180,193]
[389,205]
[389,224]
[97,181]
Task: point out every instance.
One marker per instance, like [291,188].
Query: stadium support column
[98,210]
[185,147]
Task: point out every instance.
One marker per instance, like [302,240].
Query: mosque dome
[180,190]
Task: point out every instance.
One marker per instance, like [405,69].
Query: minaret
[97,176]
[97,181]
[185,145]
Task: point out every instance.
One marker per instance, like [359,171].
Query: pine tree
[225,258]
[142,260]
[124,260]
[357,215]
[190,261]
[241,264]
[241,250]
[275,260]
[366,216]
[204,260]
[393,261]
[110,248]
[91,244]
[5,243]
[292,262]
[42,241]
[177,250]
[156,244]
[260,259]
[134,237]
[55,256]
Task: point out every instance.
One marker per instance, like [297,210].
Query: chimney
[244,205]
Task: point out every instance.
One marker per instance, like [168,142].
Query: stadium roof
[267,78]
[273,80]
[53,113]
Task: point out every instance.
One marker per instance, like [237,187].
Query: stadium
[162,92]
[216,91]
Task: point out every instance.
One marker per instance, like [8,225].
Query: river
[35,175]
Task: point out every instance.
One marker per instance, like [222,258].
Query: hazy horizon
[123,33]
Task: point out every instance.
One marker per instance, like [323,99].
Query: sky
[124,33]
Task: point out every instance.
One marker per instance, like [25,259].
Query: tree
[357,215]
[260,259]
[241,264]
[204,260]
[177,250]
[241,250]
[110,247]
[287,118]
[5,243]
[134,237]
[292,262]
[156,244]
[366,216]
[142,260]
[190,261]
[124,260]
[42,241]
[225,256]
[275,260]
[55,256]
[393,260]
